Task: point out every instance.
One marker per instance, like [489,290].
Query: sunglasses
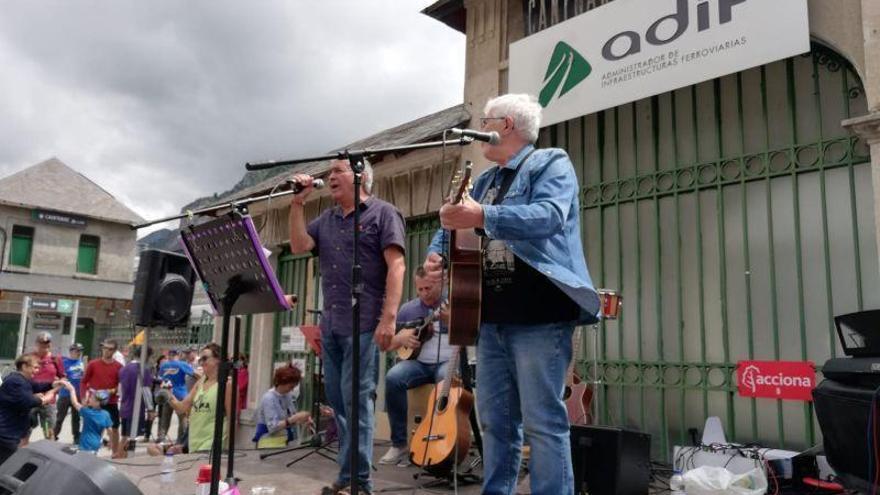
[202,359]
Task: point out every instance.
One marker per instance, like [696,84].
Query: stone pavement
[305,477]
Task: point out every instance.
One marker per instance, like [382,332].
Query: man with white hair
[381,246]
[535,289]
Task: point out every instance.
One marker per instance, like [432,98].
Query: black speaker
[842,411]
[610,461]
[47,467]
[163,289]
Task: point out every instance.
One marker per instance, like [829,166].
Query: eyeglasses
[485,120]
[202,359]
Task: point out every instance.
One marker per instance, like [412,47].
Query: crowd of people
[100,397]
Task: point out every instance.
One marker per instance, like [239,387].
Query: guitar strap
[507,180]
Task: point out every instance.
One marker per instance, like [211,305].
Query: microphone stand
[356,159]
[341,155]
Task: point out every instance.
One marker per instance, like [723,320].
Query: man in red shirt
[50,370]
[103,374]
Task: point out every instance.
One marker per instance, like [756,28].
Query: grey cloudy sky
[161,102]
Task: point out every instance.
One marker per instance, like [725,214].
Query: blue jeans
[400,378]
[337,384]
[520,378]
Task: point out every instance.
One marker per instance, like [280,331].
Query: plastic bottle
[676,483]
[168,469]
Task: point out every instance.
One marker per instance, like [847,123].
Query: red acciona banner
[787,380]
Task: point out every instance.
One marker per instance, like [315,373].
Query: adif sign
[632,49]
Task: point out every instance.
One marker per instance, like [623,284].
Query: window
[22,245]
[87,259]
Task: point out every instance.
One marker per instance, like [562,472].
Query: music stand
[312,334]
[227,255]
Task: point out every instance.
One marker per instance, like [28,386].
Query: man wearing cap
[74,369]
[103,374]
[50,369]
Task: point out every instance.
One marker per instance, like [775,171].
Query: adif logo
[567,68]
[748,377]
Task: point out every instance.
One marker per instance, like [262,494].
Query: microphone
[487,137]
[296,187]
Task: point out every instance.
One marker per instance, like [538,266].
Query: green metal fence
[736,218]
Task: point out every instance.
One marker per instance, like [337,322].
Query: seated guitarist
[428,367]
[535,289]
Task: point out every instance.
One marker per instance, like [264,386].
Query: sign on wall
[791,380]
[627,50]
[56,218]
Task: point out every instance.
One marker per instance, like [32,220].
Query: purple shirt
[128,387]
[381,226]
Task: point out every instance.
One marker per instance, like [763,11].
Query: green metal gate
[736,218]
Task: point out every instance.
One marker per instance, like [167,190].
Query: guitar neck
[451,371]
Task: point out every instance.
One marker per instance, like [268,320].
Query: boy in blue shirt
[175,372]
[74,369]
[95,420]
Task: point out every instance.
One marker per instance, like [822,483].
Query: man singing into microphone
[535,289]
[381,247]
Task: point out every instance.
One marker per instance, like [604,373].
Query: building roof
[449,12]
[65,286]
[420,130]
[52,185]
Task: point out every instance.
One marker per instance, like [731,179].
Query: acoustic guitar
[577,395]
[443,438]
[423,332]
[465,275]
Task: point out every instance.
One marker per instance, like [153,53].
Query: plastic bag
[709,480]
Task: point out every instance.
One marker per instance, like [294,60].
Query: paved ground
[305,477]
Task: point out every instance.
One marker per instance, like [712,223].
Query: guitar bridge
[433,437]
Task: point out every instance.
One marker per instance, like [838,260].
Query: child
[94,419]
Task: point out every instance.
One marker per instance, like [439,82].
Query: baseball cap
[44,337]
[103,396]
[110,344]
[76,347]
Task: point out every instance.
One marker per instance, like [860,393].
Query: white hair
[522,108]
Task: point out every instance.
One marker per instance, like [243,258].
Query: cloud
[161,102]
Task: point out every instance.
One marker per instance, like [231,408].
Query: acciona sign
[632,49]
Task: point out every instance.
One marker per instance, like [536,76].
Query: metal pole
[22,325]
[139,389]
[74,316]
[356,164]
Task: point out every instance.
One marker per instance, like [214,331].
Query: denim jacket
[539,221]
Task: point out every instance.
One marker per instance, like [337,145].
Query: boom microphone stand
[356,159]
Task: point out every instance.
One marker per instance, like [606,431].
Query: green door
[9,324]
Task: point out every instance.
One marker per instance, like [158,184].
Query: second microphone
[296,187]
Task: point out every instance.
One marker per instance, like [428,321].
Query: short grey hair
[522,108]
[366,176]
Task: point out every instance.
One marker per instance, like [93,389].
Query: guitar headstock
[460,183]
